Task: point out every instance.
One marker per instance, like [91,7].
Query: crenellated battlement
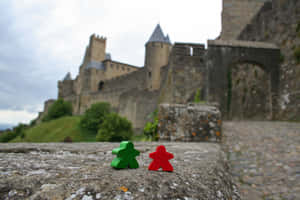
[96,49]
[98,38]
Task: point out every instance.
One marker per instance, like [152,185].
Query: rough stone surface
[237,14]
[82,171]
[186,74]
[264,158]
[278,22]
[222,58]
[189,122]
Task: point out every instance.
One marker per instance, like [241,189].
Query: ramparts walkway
[264,159]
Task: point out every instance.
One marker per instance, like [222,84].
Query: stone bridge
[223,55]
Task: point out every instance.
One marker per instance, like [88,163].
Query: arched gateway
[259,63]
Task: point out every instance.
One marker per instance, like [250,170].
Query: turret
[158,49]
[96,49]
[65,87]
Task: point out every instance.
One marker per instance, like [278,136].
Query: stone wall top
[83,171]
[239,43]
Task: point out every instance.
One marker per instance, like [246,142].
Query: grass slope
[56,131]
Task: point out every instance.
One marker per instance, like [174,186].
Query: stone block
[189,122]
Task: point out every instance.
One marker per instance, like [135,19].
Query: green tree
[197,96]
[114,129]
[10,135]
[58,109]
[94,116]
[151,128]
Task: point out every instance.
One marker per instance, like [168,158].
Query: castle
[173,73]
[102,79]
[98,67]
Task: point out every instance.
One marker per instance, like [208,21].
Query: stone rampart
[47,105]
[125,82]
[114,69]
[186,74]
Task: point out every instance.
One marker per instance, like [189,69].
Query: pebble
[12,193]
[98,196]
[86,197]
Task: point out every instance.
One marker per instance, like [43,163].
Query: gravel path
[264,158]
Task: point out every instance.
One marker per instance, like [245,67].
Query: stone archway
[263,60]
[249,92]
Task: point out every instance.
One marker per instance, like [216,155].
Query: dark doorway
[100,85]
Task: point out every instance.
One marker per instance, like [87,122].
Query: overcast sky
[41,40]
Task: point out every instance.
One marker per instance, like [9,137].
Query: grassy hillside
[56,131]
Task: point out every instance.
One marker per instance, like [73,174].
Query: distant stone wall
[137,105]
[236,15]
[47,105]
[114,69]
[92,79]
[126,94]
[186,74]
[126,82]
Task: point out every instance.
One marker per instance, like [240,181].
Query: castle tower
[96,49]
[158,49]
[236,14]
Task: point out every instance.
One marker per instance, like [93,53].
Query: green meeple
[125,156]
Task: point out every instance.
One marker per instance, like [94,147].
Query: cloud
[14,117]
[42,40]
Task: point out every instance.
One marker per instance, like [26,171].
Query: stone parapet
[189,122]
[82,171]
[240,43]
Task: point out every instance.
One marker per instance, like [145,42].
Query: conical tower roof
[168,39]
[158,36]
[68,77]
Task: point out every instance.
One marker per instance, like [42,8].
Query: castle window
[149,74]
[161,45]
[100,85]
[191,51]
[123,68]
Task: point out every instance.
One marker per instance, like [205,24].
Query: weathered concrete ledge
[82,171]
